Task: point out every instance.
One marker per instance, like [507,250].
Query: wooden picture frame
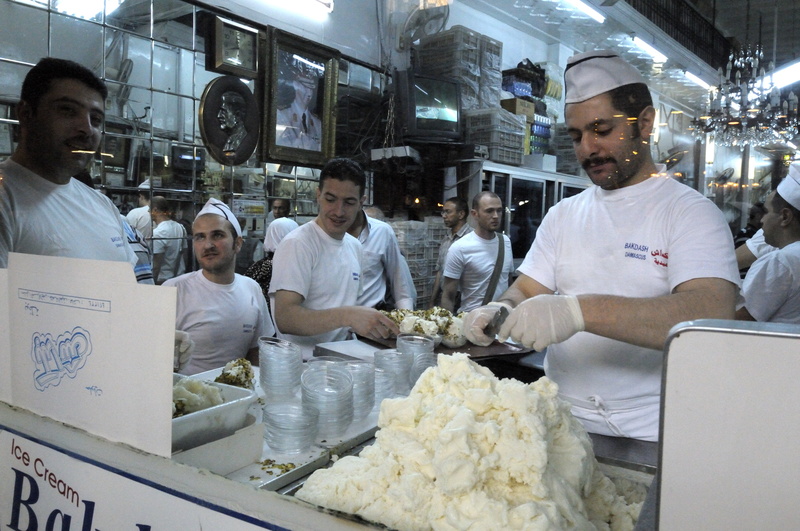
[300,109]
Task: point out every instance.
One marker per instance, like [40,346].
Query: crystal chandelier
[746,108]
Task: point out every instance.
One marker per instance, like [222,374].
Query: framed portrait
[300,112]
[229,120]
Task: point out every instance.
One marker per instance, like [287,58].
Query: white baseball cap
[218,208]
[789,187]
[592,73]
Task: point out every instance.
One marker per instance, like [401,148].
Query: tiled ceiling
[554,21]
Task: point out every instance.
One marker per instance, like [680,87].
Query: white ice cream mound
[466,451]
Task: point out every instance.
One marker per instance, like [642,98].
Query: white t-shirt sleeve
[757,245]
[766,287]
[454,263]
[292,267]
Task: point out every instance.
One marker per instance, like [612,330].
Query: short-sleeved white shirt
[40,217]
[639,241]
[471,260]
[324,270]
[771,288]
[223,320]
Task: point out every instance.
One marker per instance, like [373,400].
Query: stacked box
[414,240]
[502,132]
[468,57]
[491,80]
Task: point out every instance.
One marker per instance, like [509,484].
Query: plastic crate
[450,58]
[481,119]
[495,136]
[455,36]
[505,155]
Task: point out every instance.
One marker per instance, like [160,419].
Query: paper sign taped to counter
[92,348]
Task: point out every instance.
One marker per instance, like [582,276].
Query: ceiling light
[596,15]
[657,56]
[697,80]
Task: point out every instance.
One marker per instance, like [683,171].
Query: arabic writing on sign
[32,310]
[81,303]
[55,358]
[94,390]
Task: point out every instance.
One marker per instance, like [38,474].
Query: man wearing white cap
[615,267]
[222,312]
[771,288]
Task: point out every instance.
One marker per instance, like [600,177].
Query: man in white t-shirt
[471,260]
[771,288]
[316,275]
[222,312]
[43,210]
[454,214]
[614,268]
[385,275]
[139,217]
[169,242]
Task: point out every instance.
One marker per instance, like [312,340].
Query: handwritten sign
[90,347]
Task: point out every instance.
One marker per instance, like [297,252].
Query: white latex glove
[183,349]
[543,320]
[476,321]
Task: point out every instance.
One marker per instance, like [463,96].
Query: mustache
[594,161]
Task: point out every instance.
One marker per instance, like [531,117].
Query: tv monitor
[428,107]
[185,158]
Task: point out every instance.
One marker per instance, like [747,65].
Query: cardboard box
[520,106]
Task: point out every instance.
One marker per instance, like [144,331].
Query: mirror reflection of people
[231,118]
[297,126]
[281,207]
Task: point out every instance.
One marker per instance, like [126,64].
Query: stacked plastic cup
[290,427]
[384,384]
[421,349]
[328,388]
[280,364]
[363,373]
[327,360]
[399,365]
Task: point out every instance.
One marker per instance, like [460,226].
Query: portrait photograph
[300,119]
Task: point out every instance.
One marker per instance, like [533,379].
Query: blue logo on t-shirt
[356,276]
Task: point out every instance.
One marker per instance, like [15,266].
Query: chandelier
[746,108]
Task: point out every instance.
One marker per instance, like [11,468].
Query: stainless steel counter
[626,453]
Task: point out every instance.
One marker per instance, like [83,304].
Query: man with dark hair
[454,214]
[221,312]
[43,210]
[169,241]
[615,267]
[316,274]
[771,288]
[281,207]
[471,260]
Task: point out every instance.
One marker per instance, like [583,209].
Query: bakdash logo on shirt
[356,276]
[639,251]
